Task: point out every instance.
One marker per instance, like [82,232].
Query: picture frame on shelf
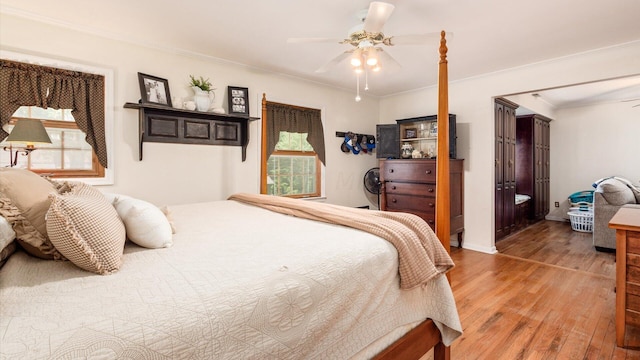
[410,133]
[433,129]
[238,100]
[154,90]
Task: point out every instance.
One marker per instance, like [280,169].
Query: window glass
[293,168]
[68,155]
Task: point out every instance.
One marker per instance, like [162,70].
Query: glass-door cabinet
[418,137]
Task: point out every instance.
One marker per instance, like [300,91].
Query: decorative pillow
[616,192]
[28,192]
[87,230]
[7,245]
[146,225]
[6,252]
[7,235]
[30,239]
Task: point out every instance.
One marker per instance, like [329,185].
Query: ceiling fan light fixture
[356,61]
[372,59]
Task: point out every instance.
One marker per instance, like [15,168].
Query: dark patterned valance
[282,117]
[24,84]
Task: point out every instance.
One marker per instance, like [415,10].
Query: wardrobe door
[505,170]
[510,168]
[499,170]
[546,161]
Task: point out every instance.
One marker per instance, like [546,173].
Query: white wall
[589,143]
[472,101]
[172,173]
[176,173]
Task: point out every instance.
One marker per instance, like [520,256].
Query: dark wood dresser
[409,185]
[627,224]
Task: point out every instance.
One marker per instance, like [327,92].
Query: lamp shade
[29,131]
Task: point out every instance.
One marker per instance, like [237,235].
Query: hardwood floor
[547,295]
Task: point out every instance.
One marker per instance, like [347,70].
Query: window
[69,155]
[292,150]
[293,169]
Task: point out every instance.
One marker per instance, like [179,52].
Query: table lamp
[26,131]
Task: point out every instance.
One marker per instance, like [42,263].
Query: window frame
[319,177]
[97,170]
[262,150]
[109,119]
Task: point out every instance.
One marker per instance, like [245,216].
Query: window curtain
[24,84]
[282,117]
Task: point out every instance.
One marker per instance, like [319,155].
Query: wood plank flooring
[547,295]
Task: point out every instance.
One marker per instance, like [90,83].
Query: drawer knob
[428,171]
[430,189]
[390,170]
[431,221]
[394,200]
[393,187]
[431,205]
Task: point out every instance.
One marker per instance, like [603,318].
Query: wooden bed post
[425,336]
[443,196]
[263,146]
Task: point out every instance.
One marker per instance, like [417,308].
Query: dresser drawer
[410,189]
[419,171]
[633,274]
[633,302]
[401,202]
[429,218]
[633,242]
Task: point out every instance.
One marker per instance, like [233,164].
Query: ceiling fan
[367,40]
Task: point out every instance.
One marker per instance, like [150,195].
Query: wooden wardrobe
[532,162]
[505,167]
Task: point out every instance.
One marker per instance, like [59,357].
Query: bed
[239,288]
[239,282]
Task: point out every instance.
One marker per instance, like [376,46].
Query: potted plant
[201,83]
[203,90]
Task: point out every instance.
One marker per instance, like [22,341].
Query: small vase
[203,99]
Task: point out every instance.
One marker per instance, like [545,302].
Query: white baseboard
[487,250]
[555,218]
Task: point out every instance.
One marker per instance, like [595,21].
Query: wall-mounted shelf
[164,124]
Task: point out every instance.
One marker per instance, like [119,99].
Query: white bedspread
[240,282]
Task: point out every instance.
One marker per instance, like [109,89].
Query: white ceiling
[488,35]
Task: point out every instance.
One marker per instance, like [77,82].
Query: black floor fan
[372,182]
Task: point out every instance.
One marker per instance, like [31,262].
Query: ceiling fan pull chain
[358,98]
[366,79]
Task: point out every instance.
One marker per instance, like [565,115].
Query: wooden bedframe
[426,336]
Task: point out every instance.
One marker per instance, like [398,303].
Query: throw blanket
[421,256]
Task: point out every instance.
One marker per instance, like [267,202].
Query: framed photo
[433,130]
[154,90]
[410,133]
[238,100]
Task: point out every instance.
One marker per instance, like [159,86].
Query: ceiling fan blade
[313,40]
[335,61]
[377,16]
[417,39]
[387,61]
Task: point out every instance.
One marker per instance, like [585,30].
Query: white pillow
[7,235]
[145,224]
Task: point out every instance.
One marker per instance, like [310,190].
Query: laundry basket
[582,199]
[581,219]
